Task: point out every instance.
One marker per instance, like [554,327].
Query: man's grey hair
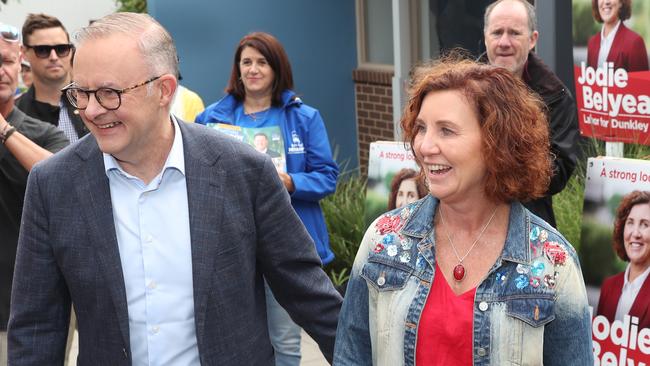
[530,12]
[155,43]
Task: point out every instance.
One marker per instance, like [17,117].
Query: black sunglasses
[44,51]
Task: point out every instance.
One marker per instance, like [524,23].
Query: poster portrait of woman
[628,292]
[616,42]
[405,187]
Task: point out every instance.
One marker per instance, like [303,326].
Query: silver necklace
[256,115]
[459,269]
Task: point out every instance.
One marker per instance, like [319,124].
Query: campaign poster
[612,81]
[616,235]
[393,178]
[266,140]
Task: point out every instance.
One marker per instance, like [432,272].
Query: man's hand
[3,123]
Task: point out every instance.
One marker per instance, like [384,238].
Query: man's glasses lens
[44,51]
[107,97]
[9,33]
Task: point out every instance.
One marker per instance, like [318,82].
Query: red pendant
[459,272]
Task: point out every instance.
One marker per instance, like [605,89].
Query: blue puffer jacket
[309,159]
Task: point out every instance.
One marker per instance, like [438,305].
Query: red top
[447,342]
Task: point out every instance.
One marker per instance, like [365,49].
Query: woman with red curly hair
[468,275]
[628,293]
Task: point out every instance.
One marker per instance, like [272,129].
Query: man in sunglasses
[47,47]
[159,233]
[24,141]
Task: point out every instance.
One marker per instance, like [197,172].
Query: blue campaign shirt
[266,118]
[153,235]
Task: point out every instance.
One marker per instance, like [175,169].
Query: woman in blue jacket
[259,95]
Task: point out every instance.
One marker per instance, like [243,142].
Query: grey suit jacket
[242,226]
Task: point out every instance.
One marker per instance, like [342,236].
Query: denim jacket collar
[419,224]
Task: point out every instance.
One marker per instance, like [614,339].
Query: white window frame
[360,6]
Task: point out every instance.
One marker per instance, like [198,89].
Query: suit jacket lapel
[204,188]
[616,50]
[205,182]
[94,197]
[640,307]
[615,295]
[593,57]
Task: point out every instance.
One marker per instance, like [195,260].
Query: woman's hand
[288,182]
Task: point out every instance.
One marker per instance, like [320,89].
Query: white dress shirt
[629,293]
[153,235]
[606,43]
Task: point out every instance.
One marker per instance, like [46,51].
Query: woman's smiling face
[636,234]
[448,145]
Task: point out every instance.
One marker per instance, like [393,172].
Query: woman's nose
[428,144]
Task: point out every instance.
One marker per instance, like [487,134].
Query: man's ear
[168,86]
[533,40]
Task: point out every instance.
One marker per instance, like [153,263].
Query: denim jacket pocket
[385,277]
[518,329]
[533,311]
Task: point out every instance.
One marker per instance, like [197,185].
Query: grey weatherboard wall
[319,37]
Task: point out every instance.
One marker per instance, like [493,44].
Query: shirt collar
[638,282]
[175,159]
[419,224]
[611,34]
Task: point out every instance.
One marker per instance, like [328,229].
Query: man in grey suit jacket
[157,232]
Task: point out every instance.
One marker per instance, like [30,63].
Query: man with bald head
[24,141]
[510,32]
[158,232]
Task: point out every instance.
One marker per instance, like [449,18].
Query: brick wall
[373,92]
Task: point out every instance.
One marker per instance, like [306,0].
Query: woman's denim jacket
[530,309]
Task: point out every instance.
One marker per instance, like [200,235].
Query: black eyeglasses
[9,33]
[44,51]
[109,98]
